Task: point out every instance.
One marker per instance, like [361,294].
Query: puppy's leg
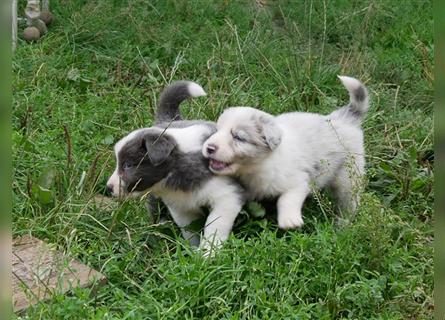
[289,207]
[220,222]
[343,191]
[347,186]
[156,209]
[183,218]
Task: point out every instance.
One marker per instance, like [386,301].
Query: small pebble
[46,17]
[31,34]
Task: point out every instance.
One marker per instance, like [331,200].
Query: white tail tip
[350,83]
[196,90]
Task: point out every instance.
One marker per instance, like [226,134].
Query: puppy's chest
[183,200]
[186,200]
[263,184]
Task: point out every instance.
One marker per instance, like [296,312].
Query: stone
[39,271]
[46,17]
[31,34]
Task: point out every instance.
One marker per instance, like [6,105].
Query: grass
[96,76]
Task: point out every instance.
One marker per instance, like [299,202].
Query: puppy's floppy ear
[270,131]
[158,146]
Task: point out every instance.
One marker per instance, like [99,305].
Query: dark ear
[158,146]
[270,131]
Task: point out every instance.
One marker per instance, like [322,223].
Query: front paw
[290,221]
[208,249]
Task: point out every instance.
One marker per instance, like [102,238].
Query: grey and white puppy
[166,160]
[288,155]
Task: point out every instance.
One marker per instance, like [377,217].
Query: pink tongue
[217,165]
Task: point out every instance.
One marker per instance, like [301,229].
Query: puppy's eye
[126,166]
[238,137]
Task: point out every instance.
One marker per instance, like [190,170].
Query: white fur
[306,151]
[219,193]
[196,90]
[189,139]
[115,180]
[350,83]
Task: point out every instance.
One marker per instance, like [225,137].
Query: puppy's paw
[208,250]
[290,221]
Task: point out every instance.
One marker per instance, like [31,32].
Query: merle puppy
[166,160]
[288,155]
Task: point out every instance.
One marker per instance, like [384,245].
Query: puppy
[289,155]
[166,160]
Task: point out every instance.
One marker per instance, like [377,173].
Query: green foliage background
[97,75]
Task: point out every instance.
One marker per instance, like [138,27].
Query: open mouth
[216,165]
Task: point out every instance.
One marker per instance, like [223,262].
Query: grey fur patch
[360,94]
[171,97]
[353,110]
[149,158]
[252,134]
[135,164]
[190,170]
[158,147]
[269,131]
[317,167]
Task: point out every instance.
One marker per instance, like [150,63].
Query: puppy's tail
[355,111]
[168,106]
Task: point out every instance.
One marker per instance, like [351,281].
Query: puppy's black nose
[109,190]
[211,148]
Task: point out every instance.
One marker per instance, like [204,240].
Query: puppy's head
[143,158]
[244,136]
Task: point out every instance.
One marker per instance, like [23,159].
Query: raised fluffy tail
[355,111]
[172,96]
